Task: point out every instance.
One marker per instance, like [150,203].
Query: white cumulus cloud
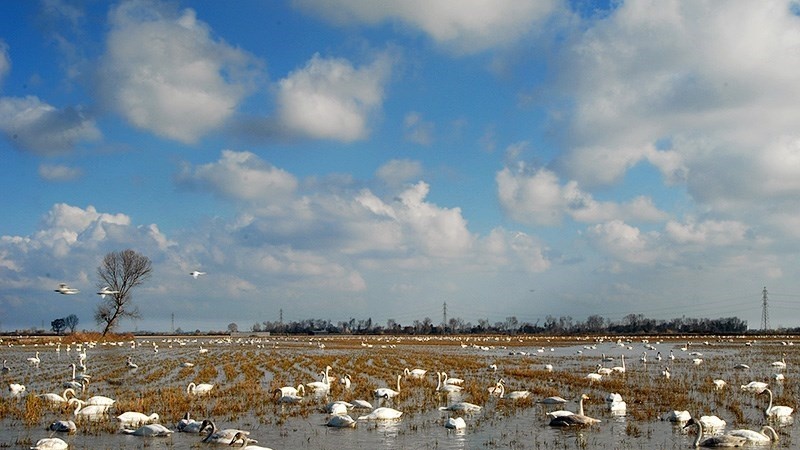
[33,125]
[165,73]
[461,26]
[331,99]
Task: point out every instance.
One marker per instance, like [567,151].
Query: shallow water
[246,371]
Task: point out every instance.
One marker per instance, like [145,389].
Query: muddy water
[245,372]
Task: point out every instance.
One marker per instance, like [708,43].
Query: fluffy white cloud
[59,172]
[331,99]
[688,79]
[164,72]
[462,26]
[33,125]
[707,233]
[539,198]
[241,176]
[624,242]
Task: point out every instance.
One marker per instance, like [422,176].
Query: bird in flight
[196,274]
[63,288]
[106,291]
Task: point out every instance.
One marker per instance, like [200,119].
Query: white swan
[345,381]
[721,440]
[564,412]
[777,411]
[415,373]
[107,291]
[324,385]
[449,388]
[196,274]
[620,369]
[572,420]
[465,407]
[382,413]
[448,380]
[91,412]
[766,435]
[712,424]
[34,360]
[137,418]
[56,398]
[225,436]
[719,384]
[188,425]
[755,387]
[16,389]
[50,444]
[289,390]
[199,389]
[358,403]
[240,437]
[151,430]
[338,407]
[287,398]
[513,395]
[6,370]
[100,400]
[63,426]
[385,392]
[455,423]
[341,421]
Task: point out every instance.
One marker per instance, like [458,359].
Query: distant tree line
[564,325]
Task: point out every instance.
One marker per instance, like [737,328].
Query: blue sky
[364,159]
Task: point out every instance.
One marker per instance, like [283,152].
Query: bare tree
[121,272]
[72,322]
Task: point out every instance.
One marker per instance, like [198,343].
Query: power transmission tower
[444,316]
[764,312]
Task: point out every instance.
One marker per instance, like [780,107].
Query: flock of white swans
[710,429]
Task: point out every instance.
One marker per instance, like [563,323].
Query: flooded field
[152,376]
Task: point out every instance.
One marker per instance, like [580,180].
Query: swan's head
[206,424]
[239,436]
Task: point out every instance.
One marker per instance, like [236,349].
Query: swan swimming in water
[462,407]
[56,398]
[755,387]
[85,411]
[137,418]
[225,436]
[385,392]
[766,435]
[573,420]
[382,413]
[415,373]
[720,440]
[777,411]
[188,425]
[341,421]
[151,430]
[289,390]
[448,380]
[455,423]
[50,444]
[199,389]
[449,388]
[240,437]
[324,385]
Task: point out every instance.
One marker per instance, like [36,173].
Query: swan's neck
[770,402]
[580,406]
[398,383]
[699,434]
